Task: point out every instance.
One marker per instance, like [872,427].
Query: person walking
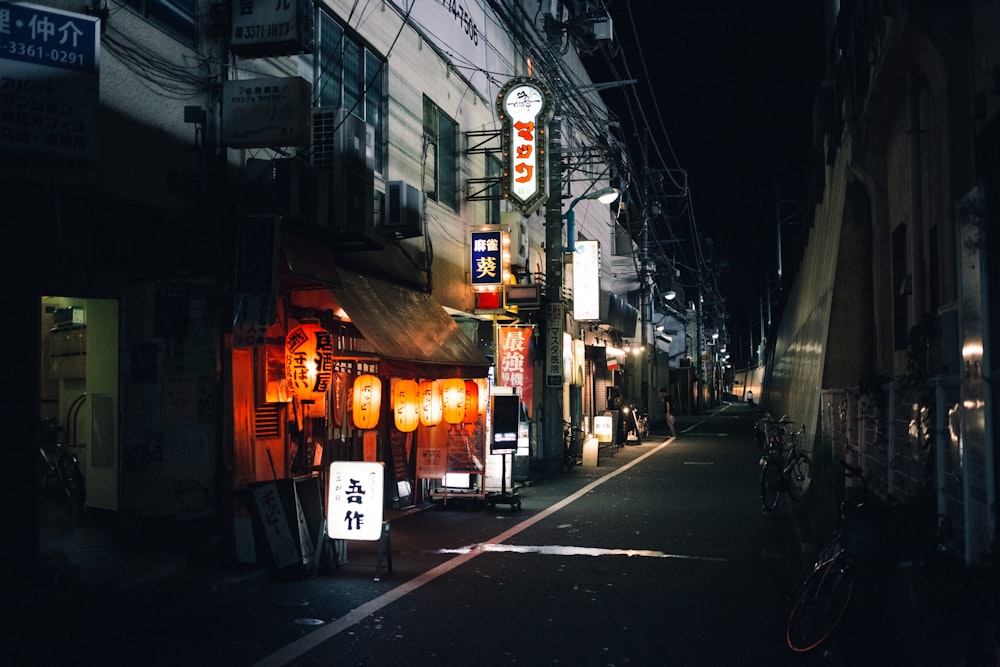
[668,407]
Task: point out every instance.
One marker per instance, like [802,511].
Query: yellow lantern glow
[453,400]
[308,360]
[367,401]
[406,405]
[471,401]
[430,403]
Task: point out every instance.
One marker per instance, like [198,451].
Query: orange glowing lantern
[430,403]
[484,394]
[471,401]
[406,405]
[308,360]
[367,401]
[453,400]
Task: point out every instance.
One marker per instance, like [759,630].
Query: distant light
[670,295]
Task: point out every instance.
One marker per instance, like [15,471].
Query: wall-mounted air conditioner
[301,191]
[343,147]
[402,217]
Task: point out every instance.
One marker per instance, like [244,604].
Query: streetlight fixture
[603,195]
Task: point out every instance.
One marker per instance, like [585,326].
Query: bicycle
[572,446]
[826,591]
[769,433]
[784,471]
[59,467]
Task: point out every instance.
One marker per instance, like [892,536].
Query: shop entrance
[79,393]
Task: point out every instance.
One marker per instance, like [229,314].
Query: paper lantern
[367,401]
[308,361]
[406,405]
[453,400]
[484,394]
[430,403]
[471,401]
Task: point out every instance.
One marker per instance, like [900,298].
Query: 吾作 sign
[354,501]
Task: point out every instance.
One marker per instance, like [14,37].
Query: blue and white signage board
[487,258]
[49,89]
[354,501]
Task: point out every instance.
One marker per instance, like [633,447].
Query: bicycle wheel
[72,478]
[770,484]
[820,605]
[799,477]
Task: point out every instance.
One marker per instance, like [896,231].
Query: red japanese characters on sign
[522,106]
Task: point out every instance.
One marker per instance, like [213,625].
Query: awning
[412,333]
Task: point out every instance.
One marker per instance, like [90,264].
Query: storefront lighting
[367,401]
[430,403]
[309,361]
[406,405]
[471,401]
[453,400]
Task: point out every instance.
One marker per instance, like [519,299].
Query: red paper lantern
[430,403]
[308,361]
[367,401]
[406,405]
[471,401]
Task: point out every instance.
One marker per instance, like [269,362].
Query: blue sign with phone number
[48,37]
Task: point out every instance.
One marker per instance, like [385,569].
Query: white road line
[297,648]
[555,550]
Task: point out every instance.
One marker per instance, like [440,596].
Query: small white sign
[603,428]
[354,501]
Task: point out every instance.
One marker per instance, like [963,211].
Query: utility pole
[555,311]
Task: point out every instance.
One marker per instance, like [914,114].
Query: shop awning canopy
[411,331]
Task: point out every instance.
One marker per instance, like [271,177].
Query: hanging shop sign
[587,281]
[490,258]
[271,28]
[355,500]
[50,61]
[522,107]
[269,112]
[554,323]
[515,361]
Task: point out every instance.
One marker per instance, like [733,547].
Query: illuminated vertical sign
[487,259]
[514,363]
[554,324]
[522,106]
[587,281]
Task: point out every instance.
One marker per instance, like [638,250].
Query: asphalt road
[660,555]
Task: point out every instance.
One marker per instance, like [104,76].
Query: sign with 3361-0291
[50,37]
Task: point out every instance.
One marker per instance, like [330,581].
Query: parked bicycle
[826,591]
[785,469]
[769,433]
[59,467]
[572,446]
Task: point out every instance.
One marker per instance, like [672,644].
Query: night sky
[729,87]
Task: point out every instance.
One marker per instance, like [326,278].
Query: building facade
[884,345]
[195,189]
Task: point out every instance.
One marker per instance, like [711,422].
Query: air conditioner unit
[343,148]
[402,217]
[288,187]
[300,191]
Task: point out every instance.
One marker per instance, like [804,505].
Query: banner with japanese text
[514,361]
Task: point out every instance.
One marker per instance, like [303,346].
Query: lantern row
[309,369]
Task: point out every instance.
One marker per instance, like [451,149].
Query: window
[174,16]
[351,76]
[441,168]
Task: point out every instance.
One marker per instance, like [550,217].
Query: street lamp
[603,195]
